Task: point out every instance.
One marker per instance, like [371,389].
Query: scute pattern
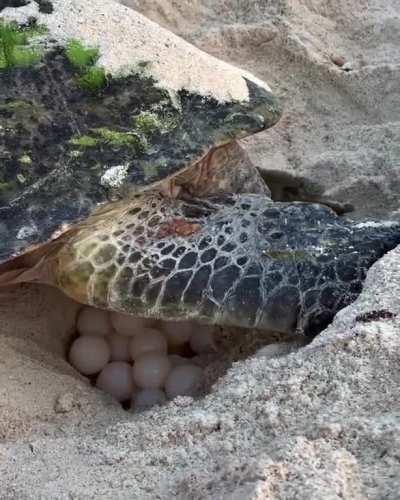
[289,268]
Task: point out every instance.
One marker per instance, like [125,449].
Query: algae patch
[81,57]
[25,159]
[121,139]
[14,41]
[90,77]
[84,141]
[113,138]
[5,187]
[15,106]
[147,123]
[93,80]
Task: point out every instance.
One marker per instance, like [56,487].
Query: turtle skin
[240,260]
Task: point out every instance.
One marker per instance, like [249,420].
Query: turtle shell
[69,142]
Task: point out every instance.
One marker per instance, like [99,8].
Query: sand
[128,41]
[319,421]
[340,131]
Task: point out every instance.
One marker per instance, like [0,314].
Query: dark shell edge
[47,181]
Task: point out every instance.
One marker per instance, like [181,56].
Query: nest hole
[162,360]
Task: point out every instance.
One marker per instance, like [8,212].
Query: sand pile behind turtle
[340,127]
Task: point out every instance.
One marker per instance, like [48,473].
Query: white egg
[89,354]
[148,340]
[116,379]
[147,398]
[128,325]
[178,332]
[177,360]
[150,370]
[184,380]
[93,321]
[119,347]
[202,340]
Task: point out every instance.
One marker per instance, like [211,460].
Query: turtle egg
[150,370]
[177,360]
[178,332]
[184,380]
[148,340]
[116,379]
[89,354]
[128,325]
[93,321]
[147,398]
[119,347]
[202,340]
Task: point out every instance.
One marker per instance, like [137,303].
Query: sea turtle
[123,185]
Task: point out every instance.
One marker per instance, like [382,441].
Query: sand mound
[338,136]
[316,422]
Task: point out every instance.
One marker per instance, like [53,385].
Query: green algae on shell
[14,44]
